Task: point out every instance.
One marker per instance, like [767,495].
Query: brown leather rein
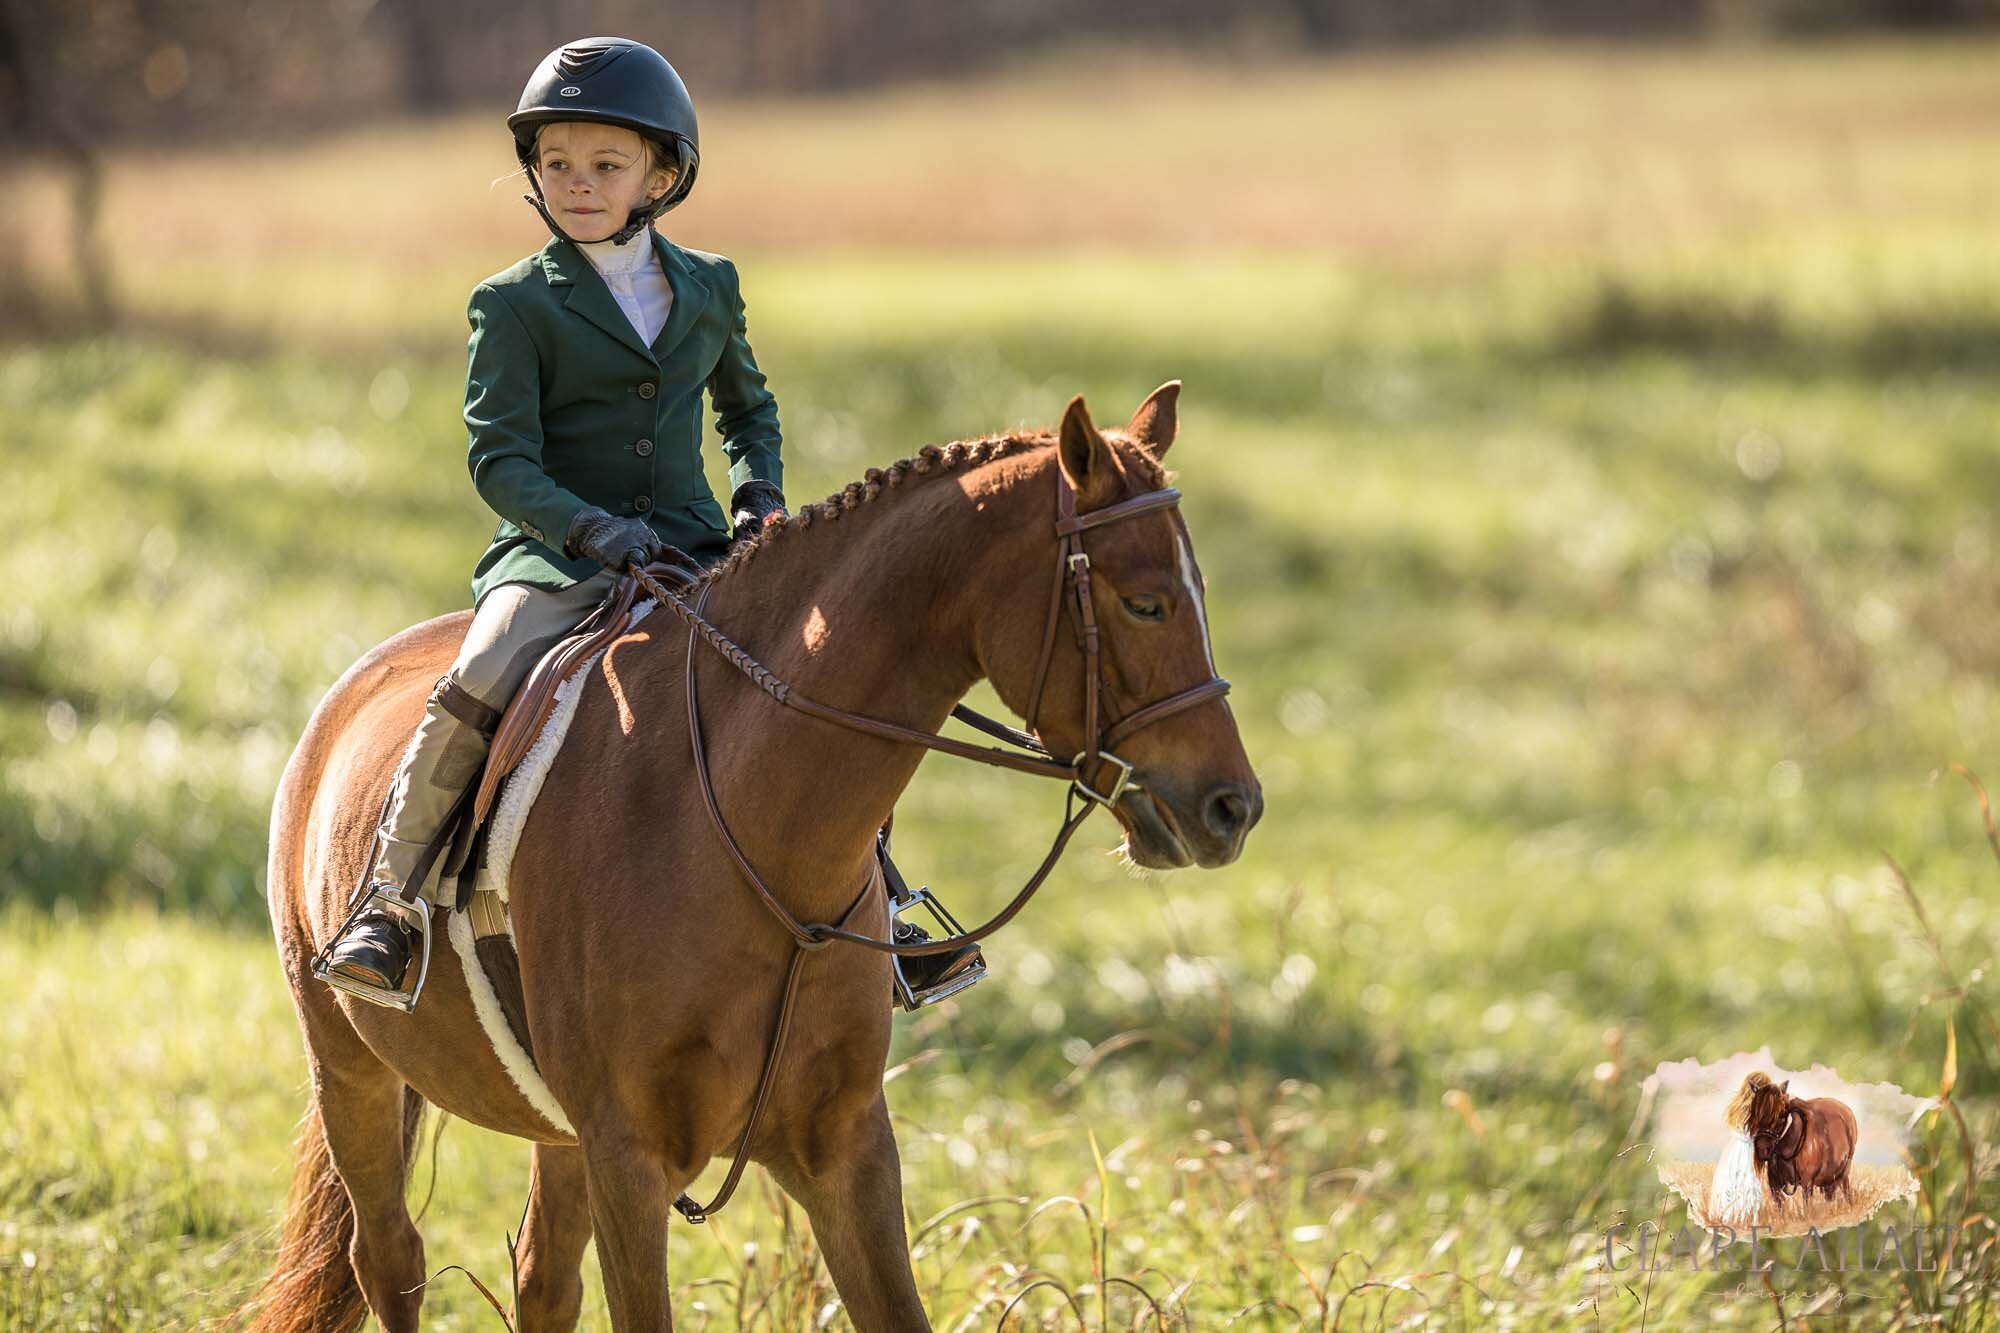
[1072,584]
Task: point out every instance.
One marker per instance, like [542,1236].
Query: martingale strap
[1072,584]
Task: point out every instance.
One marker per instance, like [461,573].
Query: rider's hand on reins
[612,541]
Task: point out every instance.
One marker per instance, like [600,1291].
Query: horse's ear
[1785,1087]
[1156,422]
[1085,458]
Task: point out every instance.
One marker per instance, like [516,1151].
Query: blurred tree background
[168,68]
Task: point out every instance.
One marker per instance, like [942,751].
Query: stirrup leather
[910,997]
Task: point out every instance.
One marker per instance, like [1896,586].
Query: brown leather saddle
[521,722]
[457,850]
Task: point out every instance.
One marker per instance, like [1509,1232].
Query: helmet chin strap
[635,221]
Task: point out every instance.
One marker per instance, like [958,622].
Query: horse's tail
[313,1288]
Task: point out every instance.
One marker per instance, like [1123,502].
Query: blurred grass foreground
[1591,455]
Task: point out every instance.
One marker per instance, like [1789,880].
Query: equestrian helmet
[614,81]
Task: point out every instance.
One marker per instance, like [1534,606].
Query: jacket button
[647,390]
[643,503]
[643,448]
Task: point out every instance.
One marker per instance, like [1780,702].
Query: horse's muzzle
[1166,830]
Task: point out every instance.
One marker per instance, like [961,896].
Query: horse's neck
[877,618]
[1777,1134]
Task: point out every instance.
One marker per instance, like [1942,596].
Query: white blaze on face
[1184,555]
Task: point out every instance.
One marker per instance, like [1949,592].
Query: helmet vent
[580,58]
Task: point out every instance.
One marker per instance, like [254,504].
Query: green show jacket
[567,407]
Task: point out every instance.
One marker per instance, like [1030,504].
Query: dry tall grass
[1873,1187]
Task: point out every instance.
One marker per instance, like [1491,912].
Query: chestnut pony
[1804,1144]
[651,973]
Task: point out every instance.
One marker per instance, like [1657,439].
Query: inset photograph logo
[1748,1143]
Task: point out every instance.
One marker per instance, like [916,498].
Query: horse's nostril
[1228,811]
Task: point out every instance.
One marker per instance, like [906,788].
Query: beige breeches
[511,629]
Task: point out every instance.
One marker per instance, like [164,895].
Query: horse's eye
[1145,607]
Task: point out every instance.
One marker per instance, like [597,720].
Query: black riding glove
[611,541]
[751,505]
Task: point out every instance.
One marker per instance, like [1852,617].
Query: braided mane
[930,461]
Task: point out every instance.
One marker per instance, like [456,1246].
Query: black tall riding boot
[375,952]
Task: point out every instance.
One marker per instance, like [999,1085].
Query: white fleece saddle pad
[503,835]
[524,784]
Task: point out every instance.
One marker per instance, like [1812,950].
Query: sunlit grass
[1585,686]
[1586,674]
[1869,1188]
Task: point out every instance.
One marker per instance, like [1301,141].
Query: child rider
[586,368]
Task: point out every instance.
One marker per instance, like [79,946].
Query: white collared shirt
[632,271]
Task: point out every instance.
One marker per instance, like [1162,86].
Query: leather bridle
[1070,599]
[1073,572]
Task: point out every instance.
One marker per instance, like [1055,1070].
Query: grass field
[1606,587]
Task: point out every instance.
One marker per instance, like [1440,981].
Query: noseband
[1071,585]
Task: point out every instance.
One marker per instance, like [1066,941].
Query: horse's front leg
[629,1193]
[851,1186]
[552,1242]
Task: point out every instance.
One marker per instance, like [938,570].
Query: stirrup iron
[907,995]
[367,891]
[404,1000]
